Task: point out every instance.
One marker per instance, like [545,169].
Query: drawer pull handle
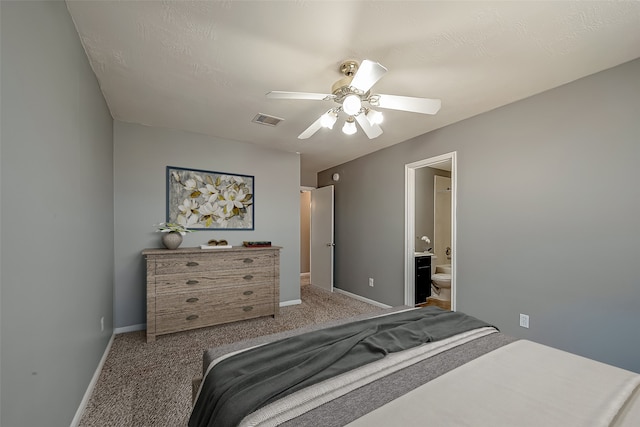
[247,308]
[192,264]
[247,293]
[192,300]
[248,260]
[248,277]
[192,317]
[192,282]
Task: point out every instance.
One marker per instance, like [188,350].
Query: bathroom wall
[547,220]
[442,243]
[424,203]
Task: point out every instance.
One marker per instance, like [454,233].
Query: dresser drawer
[205,263]
[170,283]
[177,314]
[174,322]
[197,302]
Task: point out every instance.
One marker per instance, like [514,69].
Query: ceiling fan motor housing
[342,88]
[349,67]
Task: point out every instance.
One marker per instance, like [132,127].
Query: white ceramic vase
[172,240]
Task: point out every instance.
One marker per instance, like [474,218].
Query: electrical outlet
[102,324]
[371,281]
[524,320]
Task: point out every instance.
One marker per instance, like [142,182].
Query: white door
[322,237]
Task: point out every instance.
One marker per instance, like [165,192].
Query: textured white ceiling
[206,66]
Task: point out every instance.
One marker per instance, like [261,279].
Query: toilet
[441,282]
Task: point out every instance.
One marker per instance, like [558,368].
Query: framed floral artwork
[207,200]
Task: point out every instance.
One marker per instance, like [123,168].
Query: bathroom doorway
[419,223]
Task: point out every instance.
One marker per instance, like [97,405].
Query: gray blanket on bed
[241,384]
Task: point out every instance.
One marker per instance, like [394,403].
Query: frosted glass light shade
[374,117]
[351,105]
[349,127]
[328,119]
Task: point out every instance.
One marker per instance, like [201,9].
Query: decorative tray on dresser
[190,288]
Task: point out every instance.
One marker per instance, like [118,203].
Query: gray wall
[548,208]
[141,155]
[57,217]
[308,179]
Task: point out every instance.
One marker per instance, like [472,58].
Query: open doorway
[305,236]
[414,230]
[317,236]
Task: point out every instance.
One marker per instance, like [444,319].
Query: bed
[405,367]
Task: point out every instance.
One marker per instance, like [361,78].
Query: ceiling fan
[353,95]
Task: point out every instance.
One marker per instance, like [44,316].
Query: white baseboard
[358,297]
[87,394]
[132,328]
[143,326]
[305,274]
[290,302]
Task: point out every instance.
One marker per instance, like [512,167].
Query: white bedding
[521,384]
[304,400]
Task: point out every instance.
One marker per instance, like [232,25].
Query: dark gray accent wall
[56,216]
[141,155]
[548,206]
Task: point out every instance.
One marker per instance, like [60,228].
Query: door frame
[410,225]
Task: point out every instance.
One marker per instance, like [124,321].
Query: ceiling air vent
[264,119]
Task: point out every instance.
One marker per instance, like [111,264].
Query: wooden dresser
[190,288]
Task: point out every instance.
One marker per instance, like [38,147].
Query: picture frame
[209,200]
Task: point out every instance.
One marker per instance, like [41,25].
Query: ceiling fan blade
[408,103]
[278,94]
[315,127]
[368,74]
[372,131]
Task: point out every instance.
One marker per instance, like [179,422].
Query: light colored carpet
[150,384]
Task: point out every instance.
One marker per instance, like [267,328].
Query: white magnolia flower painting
[205,200]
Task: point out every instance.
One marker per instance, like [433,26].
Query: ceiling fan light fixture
[374,117]
[351,105]
[349,127]
[328,119]
[353,96]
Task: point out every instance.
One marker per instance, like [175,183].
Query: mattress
[524,384]
[483,376]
